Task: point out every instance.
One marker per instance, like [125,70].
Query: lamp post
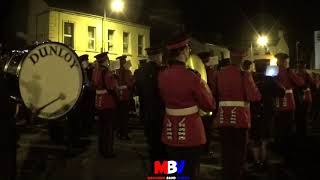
[251,52]
[116,6]
[297,52]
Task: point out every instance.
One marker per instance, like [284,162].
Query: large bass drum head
[195,63]
[50,80]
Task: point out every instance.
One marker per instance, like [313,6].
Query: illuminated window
[140,45]
[91,38]
[125,42]
[110,40]
[68,34]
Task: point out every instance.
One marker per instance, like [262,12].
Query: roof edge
[51,8]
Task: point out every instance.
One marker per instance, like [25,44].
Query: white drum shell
[42,80]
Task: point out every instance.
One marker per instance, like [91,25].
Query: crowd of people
[249,109]
[252,110]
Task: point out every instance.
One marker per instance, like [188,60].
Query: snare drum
[49,76]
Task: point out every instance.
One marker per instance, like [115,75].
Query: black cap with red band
[178,41]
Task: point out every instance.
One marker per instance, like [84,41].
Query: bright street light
[273,61]
[262,40]
[117,5]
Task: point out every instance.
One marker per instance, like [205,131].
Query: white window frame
[110,41]
[92,38]
[128,43]
[69,35]
[143,45]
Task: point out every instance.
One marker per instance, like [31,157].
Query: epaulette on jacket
[194,71]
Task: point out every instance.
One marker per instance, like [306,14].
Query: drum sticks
[37,110]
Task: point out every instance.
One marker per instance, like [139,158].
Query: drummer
[29,83]
[7,133]
[86,105]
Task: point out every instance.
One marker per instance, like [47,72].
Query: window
[68,34]
[125,42]
[222,55]
[140,45]
[91,38]
[110,40]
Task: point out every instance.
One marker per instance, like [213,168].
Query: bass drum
[48,77]
[11,65]
[195,63]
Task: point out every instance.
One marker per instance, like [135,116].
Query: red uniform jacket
[183,93]
[317,84]
[235,90]
[125,82]
[309,82]
[104,83]
[288,79]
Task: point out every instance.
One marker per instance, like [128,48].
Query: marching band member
[125,82]
[286,105]
[235,89]
[106,86]
[302,112]
[153,106]
[263,112]
[184,93]
[8,134]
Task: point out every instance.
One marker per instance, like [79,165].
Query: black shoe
[264,165]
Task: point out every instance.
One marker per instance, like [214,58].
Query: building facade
[87,33]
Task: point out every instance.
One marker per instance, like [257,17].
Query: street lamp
[297,52]
[262,40]
[117,5]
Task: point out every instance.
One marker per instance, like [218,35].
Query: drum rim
[82,76]
[6,66]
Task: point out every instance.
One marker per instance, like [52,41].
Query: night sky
[223,22]
[229,17]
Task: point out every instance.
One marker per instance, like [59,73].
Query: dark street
[38,159]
